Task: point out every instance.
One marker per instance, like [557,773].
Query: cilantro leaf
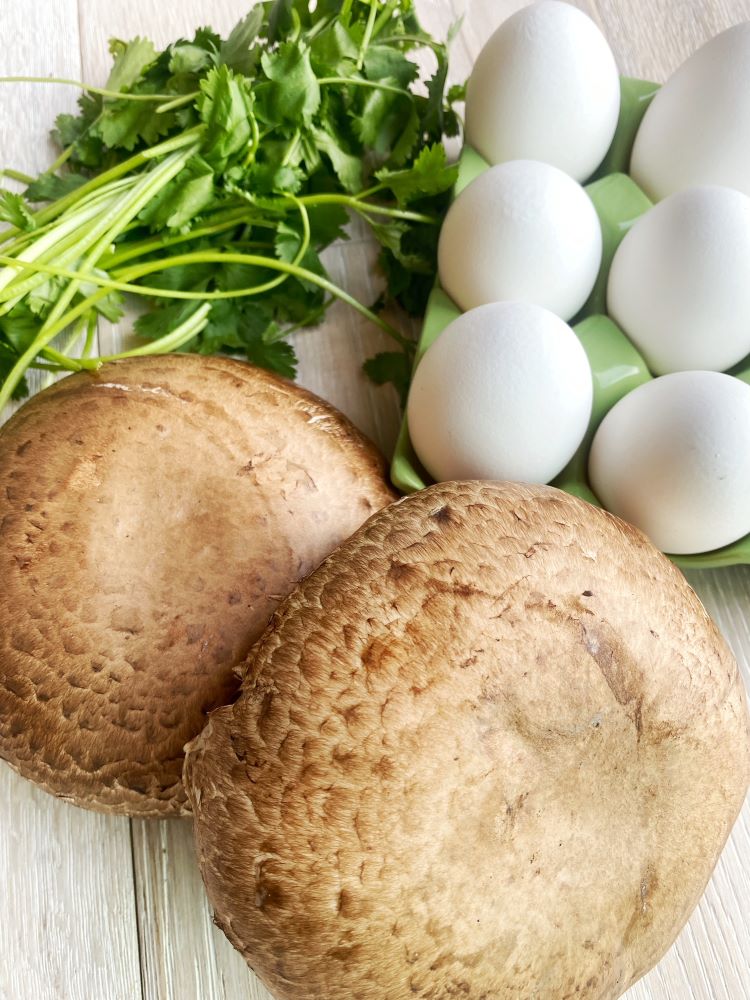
[333,52]
[237,328]
[382,119]
[8,359]
[131,61]
[18,328]
[270,178]
[389,64]
[429,175]
[163,319]
[125,123]
[408,288]
[327,224]
[348,168]
[408,139]
[291,93]
[390,368]
[268,350]
[186,196]
[78,132]
[206,38]
[186,59]
[238,51]
[42,297]
[13,209]
[50,187]
[226,108]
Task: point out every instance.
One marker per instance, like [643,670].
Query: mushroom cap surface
[152,515]
[491,748]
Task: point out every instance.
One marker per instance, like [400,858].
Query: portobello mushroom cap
[491,748]
[152,515]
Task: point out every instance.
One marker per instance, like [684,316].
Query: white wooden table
[100,908]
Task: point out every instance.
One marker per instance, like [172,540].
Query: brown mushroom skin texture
[491,749]
[152,515]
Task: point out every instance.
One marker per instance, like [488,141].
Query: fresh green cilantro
[132,59]
[13,209]
[429,175]
[390,367]
[225,166]
[50,187]
[240,52]
[8,358]
[290,92]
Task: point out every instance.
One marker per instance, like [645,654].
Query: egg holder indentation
[616,365]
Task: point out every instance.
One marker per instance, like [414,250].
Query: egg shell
[521,231]
[679,284]
[545,87]
[673,458]
[697,128]
[504,393]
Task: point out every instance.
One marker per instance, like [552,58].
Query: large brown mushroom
[491,748]
[152,515]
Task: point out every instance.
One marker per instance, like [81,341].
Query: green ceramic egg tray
[616,365]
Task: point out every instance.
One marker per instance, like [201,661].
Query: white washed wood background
[100,908]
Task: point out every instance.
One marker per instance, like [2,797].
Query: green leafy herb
[390,367]
[13,209]
[209,177]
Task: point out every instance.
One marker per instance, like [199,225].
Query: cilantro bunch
[208,178]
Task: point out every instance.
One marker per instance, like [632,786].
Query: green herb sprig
[208,178]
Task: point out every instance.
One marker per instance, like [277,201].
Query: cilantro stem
[417,39]
[254,141]
[365,208]
[359,81]
[142,247]
[367,34]
[316,29]
[385,15]
[291,148]
[44,367]
[62,361]
[177,102]
[21,240]
[177,338]
[105,231]
[213,256]
[101,91]
[61,159]
[56,242]
[296,25]
[118,171]
[150,267]
[91,330]
[172,341]
[73,339]
[16,175]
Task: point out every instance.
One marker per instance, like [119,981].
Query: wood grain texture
[93,908]
[183,954]
[67,892]
[67,900]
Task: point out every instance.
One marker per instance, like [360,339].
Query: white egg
[522,230]
[679,284]
[697,130]
[545,87]
[673,458]
[503,393]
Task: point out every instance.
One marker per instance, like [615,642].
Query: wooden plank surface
[93,908]
[67,892]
